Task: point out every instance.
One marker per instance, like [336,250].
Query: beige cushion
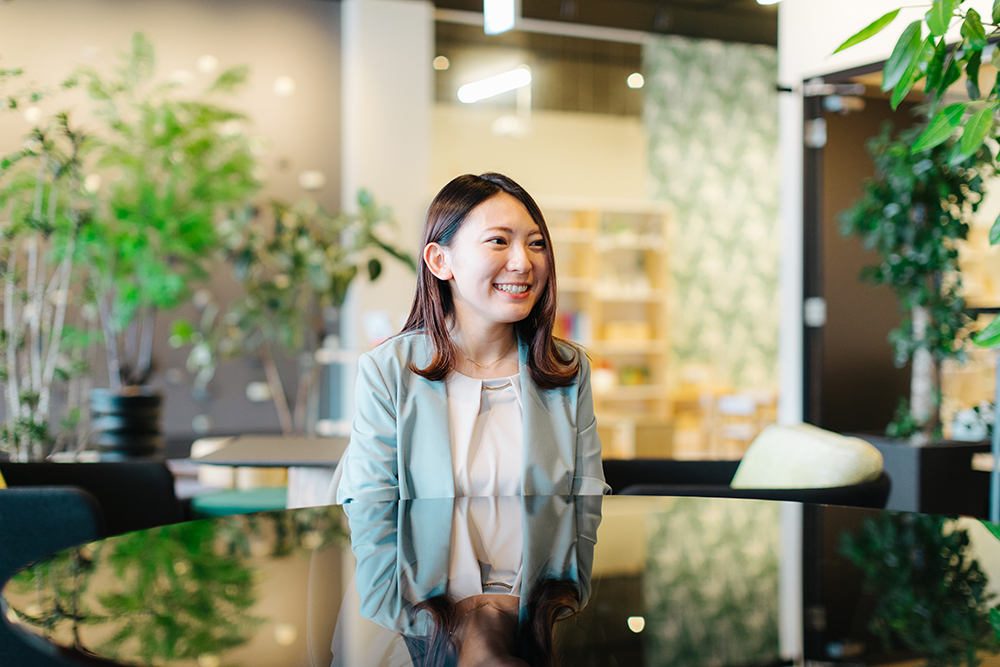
[803,456]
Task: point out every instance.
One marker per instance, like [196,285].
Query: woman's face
[497,264]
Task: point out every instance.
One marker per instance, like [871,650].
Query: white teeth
[512,289]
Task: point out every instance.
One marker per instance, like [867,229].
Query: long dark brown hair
[433,305]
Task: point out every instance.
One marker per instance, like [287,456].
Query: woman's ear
[436,260]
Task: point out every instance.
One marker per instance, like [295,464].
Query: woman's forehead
[502,212]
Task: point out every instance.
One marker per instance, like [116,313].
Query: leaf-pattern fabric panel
[711,584]
[711,113]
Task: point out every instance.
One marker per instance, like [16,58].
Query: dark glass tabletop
[691,582]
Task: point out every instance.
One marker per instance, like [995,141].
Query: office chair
[131,495]
[35,523]
[656,477]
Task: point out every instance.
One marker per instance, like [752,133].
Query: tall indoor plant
[295,266]
[175,166]
[922,54]
[43,207]
[930,593]
[913,213]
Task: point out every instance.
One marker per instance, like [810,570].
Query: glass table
[578,581]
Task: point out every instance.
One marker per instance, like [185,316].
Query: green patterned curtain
[711,114]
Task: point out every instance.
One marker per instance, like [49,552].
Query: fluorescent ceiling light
[768,2]
[499,16]
[501,83]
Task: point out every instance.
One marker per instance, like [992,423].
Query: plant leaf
[870,30]
[995,231]
[913,72]
[935,68]
[995,613]
[903,55]
[990,336]
[940,128]
[230,80]
[976,130]
[374,269]
[972,74]
[952,74]
[939,16]
[973,31]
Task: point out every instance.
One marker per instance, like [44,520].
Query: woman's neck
[486,354]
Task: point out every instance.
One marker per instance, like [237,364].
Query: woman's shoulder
[400,350]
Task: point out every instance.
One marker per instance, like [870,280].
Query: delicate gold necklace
[486,366]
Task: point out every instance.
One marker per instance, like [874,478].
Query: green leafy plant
[174,167]
[922,54]
[913,213]
[295,267]
[931,596]
[43,209]
[170,594]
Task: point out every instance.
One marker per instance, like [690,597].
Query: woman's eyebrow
[508,230]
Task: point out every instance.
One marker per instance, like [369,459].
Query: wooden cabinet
[613,285]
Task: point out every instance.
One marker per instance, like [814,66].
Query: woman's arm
[370,462]
[588,479]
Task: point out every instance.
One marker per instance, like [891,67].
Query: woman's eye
[540,243]
[498,241]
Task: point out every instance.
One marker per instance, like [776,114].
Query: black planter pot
[936,478]
[124,427]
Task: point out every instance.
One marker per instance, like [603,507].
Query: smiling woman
[476,397]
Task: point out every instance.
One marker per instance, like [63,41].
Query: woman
[465,581]
[475,397]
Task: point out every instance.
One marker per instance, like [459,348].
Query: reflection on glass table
[686,582]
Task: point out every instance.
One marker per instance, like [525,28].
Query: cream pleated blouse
[486,436]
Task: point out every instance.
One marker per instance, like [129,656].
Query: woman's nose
[518,259]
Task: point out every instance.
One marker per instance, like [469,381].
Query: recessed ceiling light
[499,16]
[635,80]
[441,63]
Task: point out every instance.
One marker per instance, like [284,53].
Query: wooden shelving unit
[613,280]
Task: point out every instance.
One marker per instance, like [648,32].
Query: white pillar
[387,99]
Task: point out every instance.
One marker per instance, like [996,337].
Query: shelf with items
[613,284]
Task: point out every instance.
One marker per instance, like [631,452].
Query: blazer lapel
[549,437]
[426,469]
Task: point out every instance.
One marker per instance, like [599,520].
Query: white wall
[387,97]
[565,154]
[295,38]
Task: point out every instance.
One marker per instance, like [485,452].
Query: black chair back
[873,494]
[132,495]
[35,523]
[622,473]
[667,477]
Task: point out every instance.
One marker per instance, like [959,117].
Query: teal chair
[35,523]
[239,501]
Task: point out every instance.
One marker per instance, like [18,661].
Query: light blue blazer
[403,550]
[401,445]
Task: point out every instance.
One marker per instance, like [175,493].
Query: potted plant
[174,166]
[922,54]
[931,596]
[43,207]
[913,213]
[296,268]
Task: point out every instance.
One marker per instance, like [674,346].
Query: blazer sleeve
[588,479]
[370,464]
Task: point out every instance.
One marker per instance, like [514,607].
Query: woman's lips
[520,290]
